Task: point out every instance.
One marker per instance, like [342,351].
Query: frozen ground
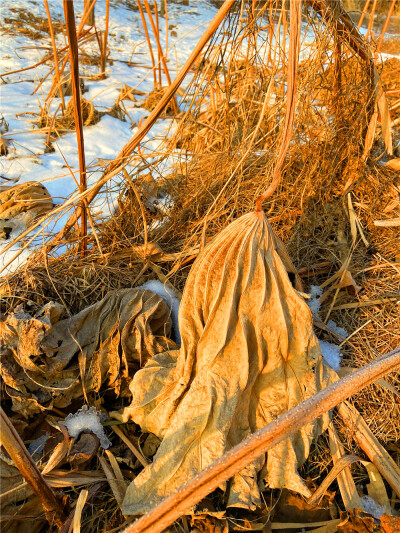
[20,104]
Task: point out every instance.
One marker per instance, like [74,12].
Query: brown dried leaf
[40,365]
[390,524]
[209,524]
[248,355]
[21,205]
[84,449]
[393,163]
[293,508]
[17,502]
[57,457]
[357,521]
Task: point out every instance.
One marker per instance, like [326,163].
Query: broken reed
[161,55]
[22,459]
[73,54]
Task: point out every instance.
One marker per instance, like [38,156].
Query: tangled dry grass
[220,158]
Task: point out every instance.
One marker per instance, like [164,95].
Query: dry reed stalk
[166,27]
[142,460]
[54,85]
[160,51]
[294,50]
[340,466]
[364,11]
[48,136]
[104,47]
[53,42]
[347,487]
[371,19]
[92,492]
[158,35]
[81,33]
[246,452]
[16,449]
[146,31]
[116,166]
[88,11]
[386,24]
[331,10]
[80,504]
[73,51]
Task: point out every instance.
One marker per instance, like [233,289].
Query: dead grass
[26,23]
[224,151]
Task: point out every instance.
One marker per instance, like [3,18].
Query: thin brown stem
[161,53]
[116,166]
[158,36]
[294,50]
[371,19]
[104,47]
[73,51]
[146,31]
[388,17]
[364,11]
[166,27]
[53,42]
[16,449]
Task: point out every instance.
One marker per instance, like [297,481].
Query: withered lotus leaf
[43,359]
[248,355]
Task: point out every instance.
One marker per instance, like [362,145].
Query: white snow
[337,329]
[86,420]
[372,507]
[331,354]
[20,106]
[314,303]
[170,297]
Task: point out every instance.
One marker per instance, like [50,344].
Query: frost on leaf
[248,355]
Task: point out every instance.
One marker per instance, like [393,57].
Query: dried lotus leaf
[248,355]
[21,205]
[28,196]
[43,356]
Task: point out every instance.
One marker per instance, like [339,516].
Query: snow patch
[172,300]
[331,354]
[337,329]
[313,303]
[86,420]
[372,507]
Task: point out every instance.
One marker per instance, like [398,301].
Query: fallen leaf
[390,523]
[357,521]
[248,355]
[18,502]
[22,204]
[292,507]
[42,358]
[393,163]
[84,449]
